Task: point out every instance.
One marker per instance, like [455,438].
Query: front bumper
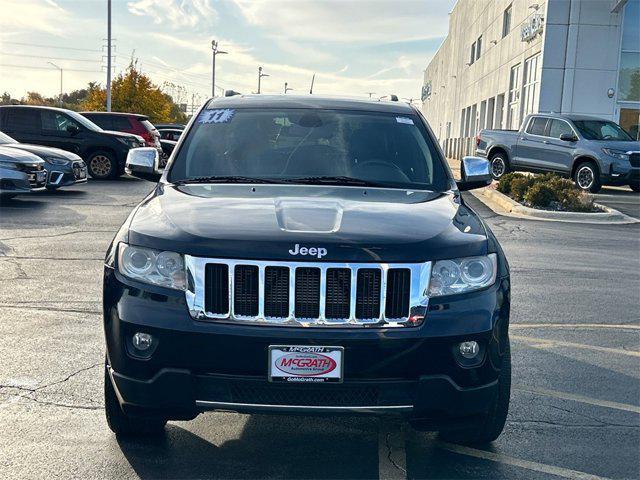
[621,176]
[197,366]
[66,175]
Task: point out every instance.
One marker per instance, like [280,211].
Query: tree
[34,98]
[133,91]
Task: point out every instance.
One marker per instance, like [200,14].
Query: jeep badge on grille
[313,251]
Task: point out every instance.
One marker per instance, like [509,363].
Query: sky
[353,46]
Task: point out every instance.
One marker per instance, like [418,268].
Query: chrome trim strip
[371,408]
[418,302]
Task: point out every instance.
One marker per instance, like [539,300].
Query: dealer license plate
[305,363]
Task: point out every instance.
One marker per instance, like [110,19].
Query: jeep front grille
[306,293]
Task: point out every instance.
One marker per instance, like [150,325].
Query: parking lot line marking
[574,325]
[518,462]
[583,346]
[392,457]
[578,398]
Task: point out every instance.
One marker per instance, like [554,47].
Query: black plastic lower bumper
[181,394]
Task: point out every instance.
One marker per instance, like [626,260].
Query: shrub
[504,185]
[546,191]
[540,195]
[519,187]
[575,200]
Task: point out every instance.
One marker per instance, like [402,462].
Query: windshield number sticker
[405,120]
[221,115]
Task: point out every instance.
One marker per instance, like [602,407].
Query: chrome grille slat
[418,277]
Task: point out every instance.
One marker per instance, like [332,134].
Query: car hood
[14,155]
[264,222]
[624,146]
[113,133]
[43,151]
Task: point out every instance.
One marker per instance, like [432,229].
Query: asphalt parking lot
[622,199]
[575,408]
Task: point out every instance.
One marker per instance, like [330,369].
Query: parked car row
[591,151]
[73,144]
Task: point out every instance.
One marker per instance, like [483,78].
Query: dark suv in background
[127,123]
[104,152]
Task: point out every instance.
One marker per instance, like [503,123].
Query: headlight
[57,160]
[165,269]
[462,275]
[619,154]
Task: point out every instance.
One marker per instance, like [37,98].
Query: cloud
[238,71]
[176,13]
[350,21]
[34,16]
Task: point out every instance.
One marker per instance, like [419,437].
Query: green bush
[519,187]
[504,186]
[540,195]
[548,191]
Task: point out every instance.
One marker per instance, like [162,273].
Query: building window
[531,89]
[513,114]
[478,47]
[497,123]
[506,22]
[473,53]
[629,73]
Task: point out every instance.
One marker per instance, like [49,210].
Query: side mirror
[475,173]
[73,129]
[568,137]
[144,163]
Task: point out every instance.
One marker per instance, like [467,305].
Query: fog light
[469,349]
[142,341]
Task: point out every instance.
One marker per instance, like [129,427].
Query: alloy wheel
[497,167]
[101,165]
[585,177]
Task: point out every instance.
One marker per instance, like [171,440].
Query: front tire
[490,427]
[499,165]
[587,178]
[125,425]
[102,165]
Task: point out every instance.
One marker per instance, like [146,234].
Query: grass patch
[546,192]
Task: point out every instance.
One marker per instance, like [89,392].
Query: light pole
[59,68]
[215,51]
[260,75]
[371,94]
[108,55]
[286,88]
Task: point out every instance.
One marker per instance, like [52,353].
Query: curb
[503,205]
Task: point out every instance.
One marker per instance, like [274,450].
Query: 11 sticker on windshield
[220,115]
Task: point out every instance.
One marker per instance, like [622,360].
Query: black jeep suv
[103,151]
[307,255]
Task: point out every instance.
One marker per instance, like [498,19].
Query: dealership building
[504,59]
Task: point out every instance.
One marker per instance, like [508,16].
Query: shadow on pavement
[268,447]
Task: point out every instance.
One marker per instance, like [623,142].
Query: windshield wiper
[225,179]
[334,180]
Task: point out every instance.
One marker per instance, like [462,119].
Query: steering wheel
[397,173]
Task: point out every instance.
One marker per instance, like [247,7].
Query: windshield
[84,121]
[601,130]
[311,145]
[4,139]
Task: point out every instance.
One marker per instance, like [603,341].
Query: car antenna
[312,80]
